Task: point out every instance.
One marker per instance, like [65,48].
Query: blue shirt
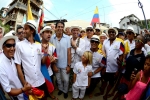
[61,47]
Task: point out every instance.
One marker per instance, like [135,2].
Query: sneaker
[65,95]
[60,92]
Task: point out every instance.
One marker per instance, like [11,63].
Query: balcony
[22,6]
[10,18]
[38,3]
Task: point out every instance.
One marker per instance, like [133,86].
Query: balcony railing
[22,6]
[10,17]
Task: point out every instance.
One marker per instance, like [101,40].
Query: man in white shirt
[29,55]
[90,33]
[77,49]
[114,50]
[8,72]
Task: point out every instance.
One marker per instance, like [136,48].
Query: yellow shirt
[100,46]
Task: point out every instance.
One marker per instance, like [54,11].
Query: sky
[110,11]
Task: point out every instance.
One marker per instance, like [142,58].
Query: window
[128,23]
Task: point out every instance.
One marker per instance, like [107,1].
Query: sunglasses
[20,33]
[129,33]
[111,32]
[9,45]
[97,30]
[139,41]
[89,30]
[92,41]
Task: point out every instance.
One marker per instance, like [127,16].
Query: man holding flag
[46,34]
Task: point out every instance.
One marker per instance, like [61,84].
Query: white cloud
[48,4]
[5,4]
[123,8]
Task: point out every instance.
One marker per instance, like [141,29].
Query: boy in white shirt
[80,78]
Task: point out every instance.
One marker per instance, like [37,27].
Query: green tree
[6,27]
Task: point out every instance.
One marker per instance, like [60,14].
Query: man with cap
[30,55]
[102,37]
[90,33]
[130,42]
[97,31]
[114,51]
[63,46]
[1,32]
[46,34]
[98,64]
[77,49]
[8,72]
[19,33]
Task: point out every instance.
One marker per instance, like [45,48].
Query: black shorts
[45,89]
[110,77]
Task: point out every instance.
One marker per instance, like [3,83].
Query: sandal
[54,98]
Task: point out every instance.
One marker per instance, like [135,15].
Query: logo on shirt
[38,51]
[79,71]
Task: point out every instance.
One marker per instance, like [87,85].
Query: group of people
[79,58]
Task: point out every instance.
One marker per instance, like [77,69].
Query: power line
[85,9]
[102,8]
[50,13]
[55,8]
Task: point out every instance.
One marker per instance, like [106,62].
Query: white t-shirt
[87,44]
[98,61]
[81,74]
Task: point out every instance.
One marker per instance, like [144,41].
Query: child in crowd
[139,82]
[80,78]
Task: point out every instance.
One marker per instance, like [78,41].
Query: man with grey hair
[1,32]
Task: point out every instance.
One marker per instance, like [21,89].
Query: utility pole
[141,6]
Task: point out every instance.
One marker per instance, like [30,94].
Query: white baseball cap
[46,28]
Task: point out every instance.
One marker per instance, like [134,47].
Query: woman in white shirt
[8,73]
[80,77]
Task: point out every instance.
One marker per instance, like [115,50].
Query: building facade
[130,20]
[17,11]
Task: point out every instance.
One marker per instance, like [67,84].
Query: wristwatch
[69,65]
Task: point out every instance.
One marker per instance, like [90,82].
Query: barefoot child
[80,78]
[139,82]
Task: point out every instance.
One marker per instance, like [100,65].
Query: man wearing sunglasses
[89,33]
[114,50]
[8,72]
[99,62]
[20,33]
[97,31]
